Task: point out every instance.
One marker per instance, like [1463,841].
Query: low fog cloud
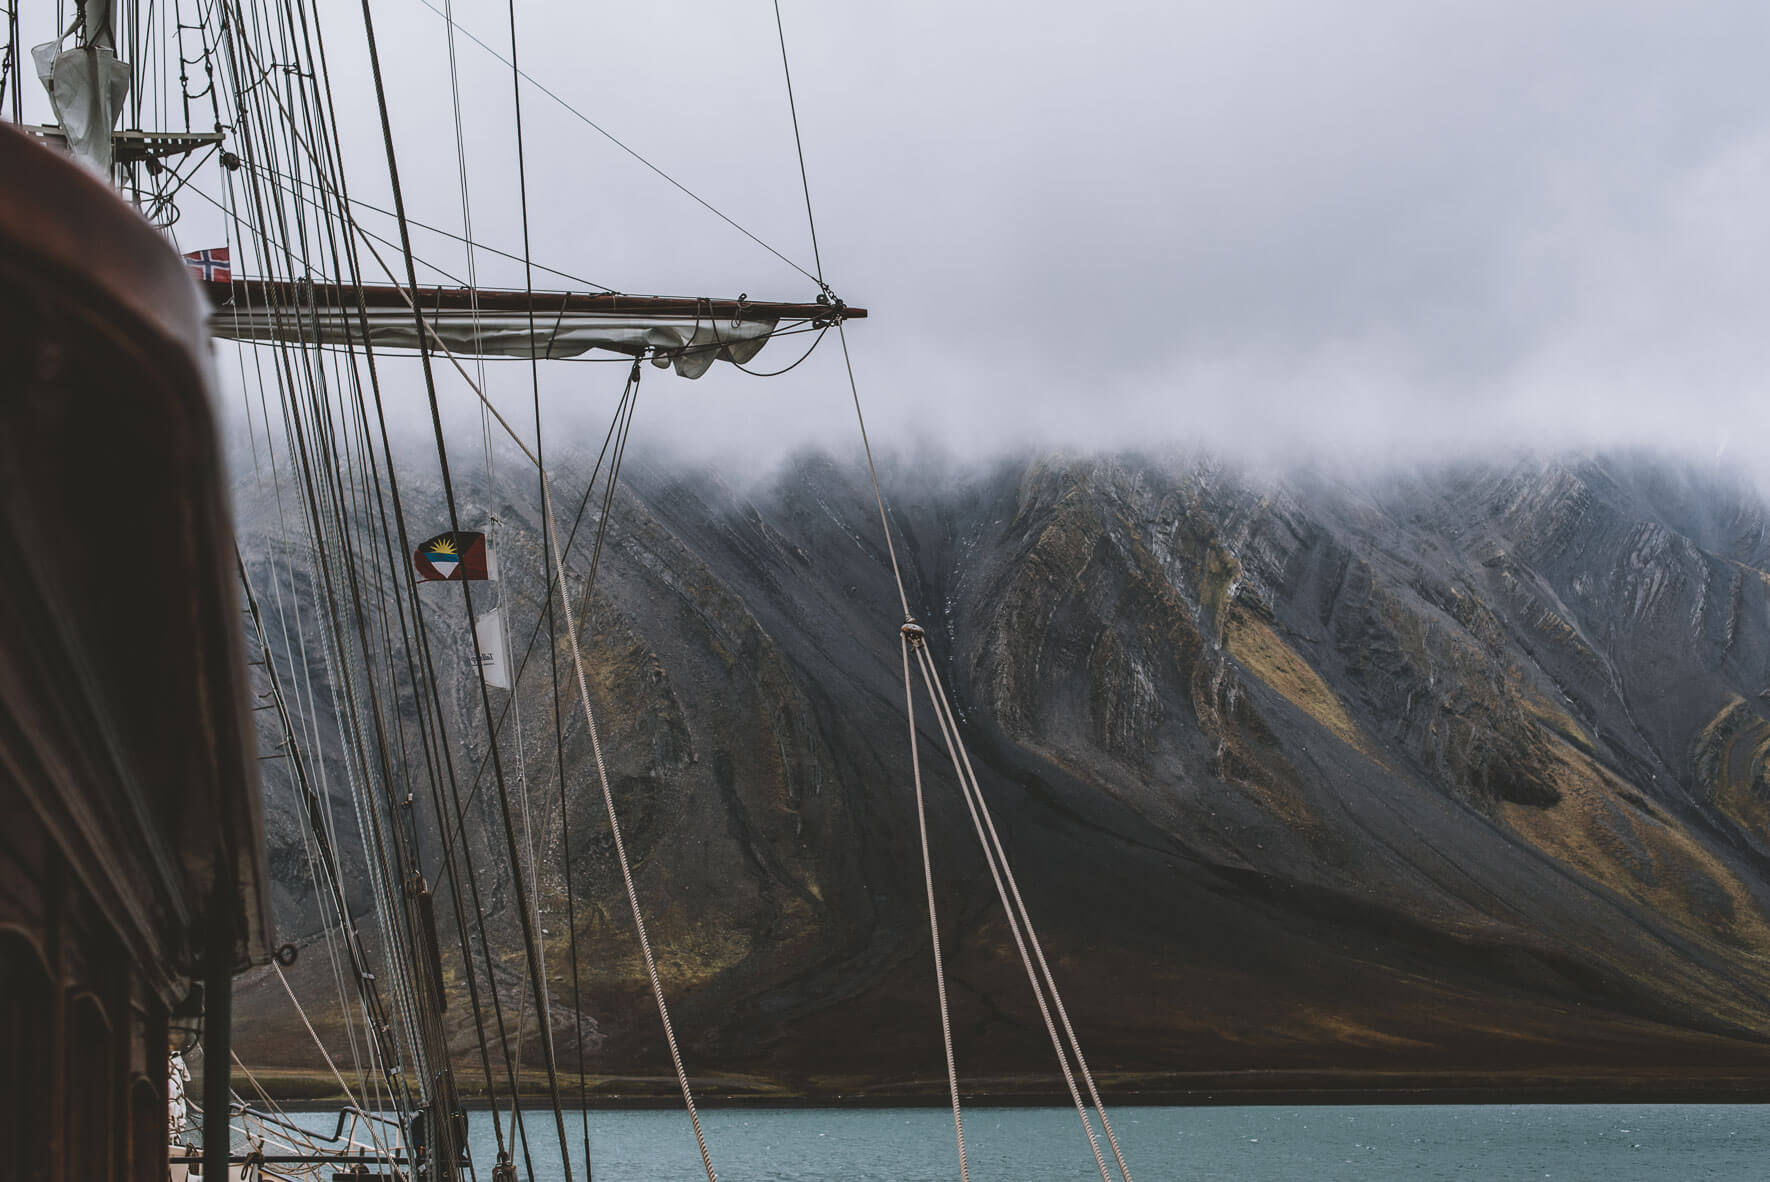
[1353,230]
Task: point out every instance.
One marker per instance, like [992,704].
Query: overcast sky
[1335,228]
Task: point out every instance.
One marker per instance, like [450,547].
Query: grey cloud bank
[1361,230]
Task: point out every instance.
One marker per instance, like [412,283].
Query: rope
[313,1034]
[1013,921]
[323,164]
[609,136]
[1026,918]
[528,276]
[534,633]
[608,800]
[434,746]
[544,1008]
[946,1028]
[872,470]
[912,636]
[595,746]
[583,690]
[799,144]
[775,373]
[537,979]
[316,822]
[962,766]
[475,244]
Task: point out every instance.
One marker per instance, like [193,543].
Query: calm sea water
[1611,1143]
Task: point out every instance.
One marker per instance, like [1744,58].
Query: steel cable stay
[374,843]
[332,456]
[513,703]
[293,752]
[321,545]
[912,636]
[537,981]
[369,242]
[908,634]
[589,715]
[478,1024]
[294,185]
[799,147]
[434,715]
[610,137]
[623,414]
[318,816]
[995,855]
[630,396]
[590,722]
[292,450]
[366,984]
[314,522]
[415,604]
[544,996]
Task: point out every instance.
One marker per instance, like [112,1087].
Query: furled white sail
[690,344]
[86,85]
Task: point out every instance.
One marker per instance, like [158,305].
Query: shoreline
[302,1090]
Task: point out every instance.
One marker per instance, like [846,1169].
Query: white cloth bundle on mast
[691,345]
[490,649]
[87,86]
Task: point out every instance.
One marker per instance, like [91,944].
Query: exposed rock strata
[1462,772]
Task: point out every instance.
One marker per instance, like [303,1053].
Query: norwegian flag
[210,265]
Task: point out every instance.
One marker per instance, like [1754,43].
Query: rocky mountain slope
[1459,778]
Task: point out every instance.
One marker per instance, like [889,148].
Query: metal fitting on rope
[505,1170]
[914,633]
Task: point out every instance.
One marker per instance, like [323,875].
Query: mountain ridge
[1463,770]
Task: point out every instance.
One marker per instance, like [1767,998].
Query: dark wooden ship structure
[132,862]
[134,884]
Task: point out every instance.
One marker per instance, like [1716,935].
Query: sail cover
[87,89]
[691,348]
[687,334]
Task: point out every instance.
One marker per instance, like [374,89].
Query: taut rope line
[1016,911]
[911,634]
[799,144]
[965,789]
[1031,935]
[873,470]
[608,800]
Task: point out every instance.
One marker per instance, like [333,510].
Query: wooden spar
[285,293]
[128,147]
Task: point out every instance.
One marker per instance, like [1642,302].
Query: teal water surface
[1612,1143]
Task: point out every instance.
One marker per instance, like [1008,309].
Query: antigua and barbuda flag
[451,557]
[212,266]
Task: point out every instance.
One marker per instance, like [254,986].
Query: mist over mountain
[1459,776]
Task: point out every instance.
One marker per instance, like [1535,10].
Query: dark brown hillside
[1460,779]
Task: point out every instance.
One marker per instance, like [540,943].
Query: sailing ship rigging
[687,335]
[321,314]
